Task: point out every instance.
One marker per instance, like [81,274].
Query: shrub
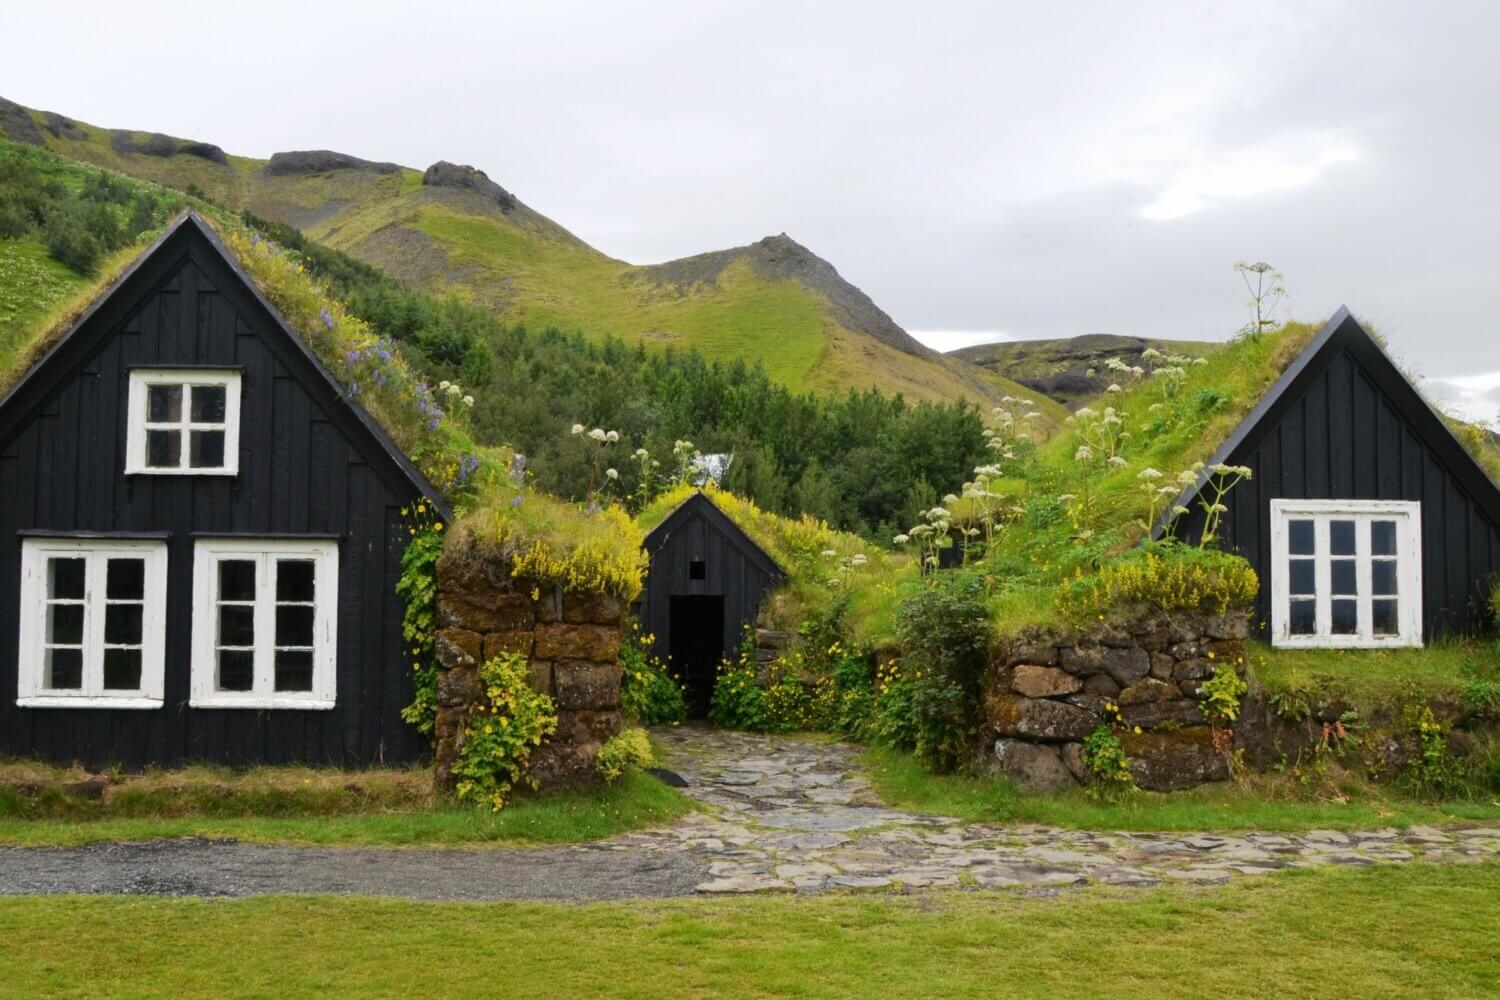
[69,240]
[628,751]
[501,736]
[738,701]
[932,705]
[1109,770]
[648,693]
[15,220]
[1165,577]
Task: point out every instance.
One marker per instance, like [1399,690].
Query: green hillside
[451,229]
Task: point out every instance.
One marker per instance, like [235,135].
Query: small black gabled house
[1367,521]
[705,584]
[200,536]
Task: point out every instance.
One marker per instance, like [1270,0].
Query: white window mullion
[1363,582]
[93,624]
[1324,573]
[264,686]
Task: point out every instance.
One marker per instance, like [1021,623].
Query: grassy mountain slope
[454,230]
[1061,368]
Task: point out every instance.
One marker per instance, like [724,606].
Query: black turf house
[705,584]
[199,536]
[1368,522]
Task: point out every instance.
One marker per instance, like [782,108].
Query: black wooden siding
[1349,426]
[301,473]
[735,568]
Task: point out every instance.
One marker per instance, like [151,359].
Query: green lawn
[637,801]
[1264,803]
[1417,930]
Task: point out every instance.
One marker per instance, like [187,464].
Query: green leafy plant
[417,588]
[1221,696]
[629,750]
[1109,769]
[648,692]
[502,734]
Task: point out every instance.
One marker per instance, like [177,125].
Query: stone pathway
[794,815]
[783,815]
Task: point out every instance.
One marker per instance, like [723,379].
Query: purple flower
[432,424]
[327,318]
[515,501]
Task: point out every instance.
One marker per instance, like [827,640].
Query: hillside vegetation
[863,460]
[451,229]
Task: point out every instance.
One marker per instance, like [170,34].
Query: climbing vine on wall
[417,589]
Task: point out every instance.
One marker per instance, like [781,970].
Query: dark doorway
[697,648]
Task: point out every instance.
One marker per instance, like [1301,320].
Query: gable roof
[1340,334]
[190,237]
[700,505]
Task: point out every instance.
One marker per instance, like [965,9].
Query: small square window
[183,422]
[697,570]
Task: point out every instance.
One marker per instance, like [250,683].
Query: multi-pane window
[264,624]
[92,623]
[1346,573]
[183,423]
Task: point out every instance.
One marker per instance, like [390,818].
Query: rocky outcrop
[321,161]
[157,144]
[1072,369]
[1048,692]
[464,177]
[17,125]
[572,642]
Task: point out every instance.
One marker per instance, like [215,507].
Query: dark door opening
[697,630]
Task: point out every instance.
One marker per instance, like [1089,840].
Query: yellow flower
[404,512]
[421,508]
[1137,730]
[438,526]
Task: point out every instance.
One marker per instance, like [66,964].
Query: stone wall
[572,641]
[1046,693]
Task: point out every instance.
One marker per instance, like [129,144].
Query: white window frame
[324,553]
[31,692]
[137,425]
[1408,517]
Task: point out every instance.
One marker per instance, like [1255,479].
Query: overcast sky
[983,171]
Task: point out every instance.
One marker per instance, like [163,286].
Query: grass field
[1264,802]
[394,810]
[1417,930]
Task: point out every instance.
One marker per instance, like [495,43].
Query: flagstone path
[781,814]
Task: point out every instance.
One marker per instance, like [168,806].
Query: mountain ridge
[451,229]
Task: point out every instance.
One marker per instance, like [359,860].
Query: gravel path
[784,815]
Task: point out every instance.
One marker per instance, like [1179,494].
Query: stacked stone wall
[1046,692]
[571,640]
